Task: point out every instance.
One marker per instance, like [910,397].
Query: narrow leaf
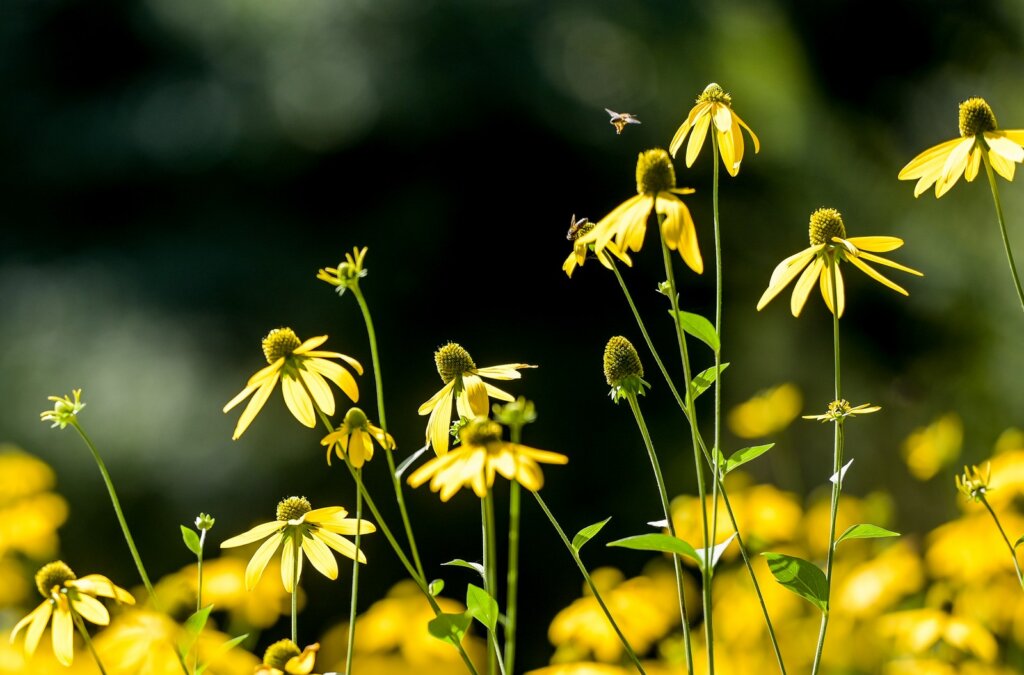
[800,576]
[191,540]
[841,474]
[660,524]
[449,628]
[408,461]
[1018,542]
[741,457]
[716,551]
[193,626]
[459,562]
[705,379]
[481,606]
[435,587]
[587,533]
[665,543]
[865,531]
[698,327]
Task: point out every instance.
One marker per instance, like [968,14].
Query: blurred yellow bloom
[880,582]
[580,248]
[656,189]
[284,658]
[313,532]
[67,596]
[482,455]
[583,668]
[224,587]
[355,438]
[714,105]
[462,384]
[830,246]
[14,587]
[767,413]
[980,138]
[301,370]
[13,661]
[969,549]
[29,514]
[928,450]
[1007,478]
[916,631]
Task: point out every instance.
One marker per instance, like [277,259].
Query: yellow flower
[577,229]
[284,658]
[67,597]
[767,412]
[65,411]
[348,272]
[627,223]
[714,104]
[482,455]
[580,668]
[929,449]
[301,370]
[29,513]
[918,630]
[829,246]
[462,384]
[970,550]
[841,409]
[298,524]
[355,437]
[973,483]
[980,138]
[881,582]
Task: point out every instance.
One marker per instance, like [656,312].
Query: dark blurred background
[174,172]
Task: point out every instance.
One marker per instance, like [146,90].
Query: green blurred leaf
[741,457]
[191,540]
[665,543]
[222,649]
[193,627]
[450,628]
[705,379]
[1018,542]
[865,531]
[587,533]
[407,462]
[800,576]
[698,327]
[435,587]
[481,606]
[459,562]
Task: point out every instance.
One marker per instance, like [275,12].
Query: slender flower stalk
[590,582]
[717,445]
[1002,228]
[710,461]
[973,484]
[80,625]
[349,653]
[490,572]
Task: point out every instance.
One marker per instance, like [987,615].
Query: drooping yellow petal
[529,476]
[727,150]
[341,545]
[324,514]
[339,525]
[785,272]
[700,131]
[97,584]
[826,288]
[888,263]
[260,559]
[1001,165]
[874,274]
[439,422]
[926,161]
[336,374]
[1003,146]
[973,164]
[91,609]
[291,564]
[62,630]
[609,226]
[876,244]
[735,137]
[473,396]
[753,136]
[255,534]
[543,456]
[804,285]
[317,386]
[310,344]
[321,557]
[679,137]
[432,402]
[298,402]
[255,405]
[723,117]
[633,224]
[954,167]
[679,230]
[36,622]
[507,371]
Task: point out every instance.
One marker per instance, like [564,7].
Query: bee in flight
[620,120]
[578,228]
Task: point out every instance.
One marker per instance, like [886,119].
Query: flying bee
[620,120]
[578,228]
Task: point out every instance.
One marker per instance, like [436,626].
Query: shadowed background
[174,172]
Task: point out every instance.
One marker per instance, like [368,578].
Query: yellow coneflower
[348,272]
[285,658]
[841,409]
[355,438]
[714,105]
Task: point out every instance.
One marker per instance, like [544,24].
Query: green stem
[297,548]
[590,582]
[349,655]
[378,381]
[1013,551]
[709,630]
[88,641]
[117,509]
[659,478]
[718,329]
[709,461]
[199,589]
[490,573]
[1002,228]
[386,531]
[837,467]
[512,580]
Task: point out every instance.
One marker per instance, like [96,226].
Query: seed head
[825,224]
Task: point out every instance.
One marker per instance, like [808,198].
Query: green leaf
[1018,542]
[449,628]
[800,576]
[481,606]
[435,587]
[705,379]
[865,531]
[191,540]
[665,543]
[222,649]
[193,627]
[698,327]
[587,533]
[716,551]
[741,457]
[407,462]
[459,562]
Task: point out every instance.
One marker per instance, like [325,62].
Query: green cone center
[279,653]
[621,361]
[280,343]
[452,360]
[53,574]
[976,117]
[480,431]
[293,508]
[714,94]
[654,172]
[825,224]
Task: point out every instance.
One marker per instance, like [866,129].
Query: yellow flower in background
[980,138]
[482,455]
[579,228]
[714,105]
[462,384]
[224,587]
[879,583]
[285,658]
[67,596]
[830,246]
[841,409]
[917,631]
[969,549]
[355,438]
[582,668]
[928,450]
[315,532]
[29,513]
[627,223]
[766,413]
[301,370]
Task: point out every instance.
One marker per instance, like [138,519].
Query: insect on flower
[575,226]
[620,120]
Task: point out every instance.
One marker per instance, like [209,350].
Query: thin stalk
[379,384]
[709,461]
[199,589]
[1013,552]
[659,478]
[355,579]
[718,329]
[117,510]
[1002,228]
[88,641]
[590,582]
[386,531]
[512,579]
[297,548]
[709,631]
[490,573]
[837,464]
